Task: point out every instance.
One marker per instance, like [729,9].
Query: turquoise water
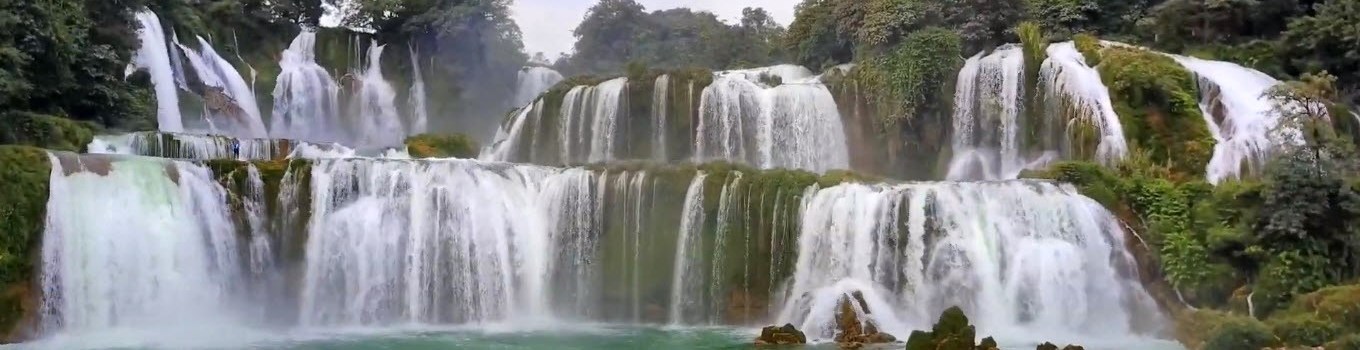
[562,337]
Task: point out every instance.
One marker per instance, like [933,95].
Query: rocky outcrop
[1051,346]
[951,332]
[851,330]
[785,335]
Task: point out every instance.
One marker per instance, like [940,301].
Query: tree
[608,35]
[983,24]
[1328,40]
[813,40]
[66,57]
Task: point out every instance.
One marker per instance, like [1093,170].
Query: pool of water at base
[480,338]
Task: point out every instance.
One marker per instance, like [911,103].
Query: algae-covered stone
[441,146]
[781,335]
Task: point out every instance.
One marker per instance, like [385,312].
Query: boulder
[951,332]
[1051,346]
[786,335]
[851,331]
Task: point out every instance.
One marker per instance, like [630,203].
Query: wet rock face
[853,332]
[785,335]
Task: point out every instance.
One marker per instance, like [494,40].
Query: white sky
[547,24]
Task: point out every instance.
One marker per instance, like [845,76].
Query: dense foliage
[66,58]
[615,33]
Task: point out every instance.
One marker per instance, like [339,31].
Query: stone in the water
[1051,346]
[988,344]
[951,332]
[785,335]
[851,331]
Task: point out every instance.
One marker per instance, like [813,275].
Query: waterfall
[988,108]
[533,81]
[154,55]
[242,117]
[378,123]
[422,242]
[1025,260]
[136,243]
[306,98]
[660,99]
[1239,115]
[588,119]
[509,137]
[791,125]
[683,291]
[1075,94]
[420,113]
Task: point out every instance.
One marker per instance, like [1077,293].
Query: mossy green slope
[24,176]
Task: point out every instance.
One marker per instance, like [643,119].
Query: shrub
[1304,330]
[38,130]
[1338,305]
[1350,342]
[1089,47]
[1239,334]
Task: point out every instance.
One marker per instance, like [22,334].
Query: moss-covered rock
[786,335]
[1303,330]
[25,173]
[1338,305]
[1157,105]
[441,146]
[45,131]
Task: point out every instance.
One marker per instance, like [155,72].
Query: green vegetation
[1282,248]
[1089,46]
[441,146]
[24,175]
[56,133]
[1157,104]
[618,32]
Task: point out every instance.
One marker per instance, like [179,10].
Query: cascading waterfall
[437,242]
[1025,260]
[988,104]
[589,117]
[396,242]
[688,252]
[378,123]
[306,98]
[154,55]
[136,243]
[509,137]
[660,99]
[1241,118]
[420,113]
[791,125]
[243,119]
[533,81]
[1075,95]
